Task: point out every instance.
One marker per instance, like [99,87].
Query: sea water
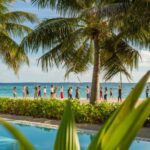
[6,88]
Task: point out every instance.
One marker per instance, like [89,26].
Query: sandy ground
[82,100]
[143,133]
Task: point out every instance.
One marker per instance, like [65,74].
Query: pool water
[43,138]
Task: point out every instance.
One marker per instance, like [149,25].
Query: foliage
[11,27]
[53,109]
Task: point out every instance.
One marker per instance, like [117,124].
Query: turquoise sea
[6,88]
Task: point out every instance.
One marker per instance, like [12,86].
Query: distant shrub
[53,109]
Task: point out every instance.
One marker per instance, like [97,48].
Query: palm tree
[95,32]
[11,27]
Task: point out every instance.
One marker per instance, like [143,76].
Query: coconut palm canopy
[11,27]
[94,32]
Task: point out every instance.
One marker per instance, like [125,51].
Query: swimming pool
[43,138]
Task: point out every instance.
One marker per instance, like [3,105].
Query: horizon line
[63,82]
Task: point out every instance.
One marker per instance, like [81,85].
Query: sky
[34,73]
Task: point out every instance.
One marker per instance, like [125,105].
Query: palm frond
[64,52]
[134,24]
[3,8]
[114,66]
[49,33]
[18,17]
[11,25]
[11,53]
[80,60]
[17,30]
[114,62]
[8,1]
[65,7]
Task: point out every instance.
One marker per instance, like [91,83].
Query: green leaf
[24,143]
[67,138]
[128,128]
[106,132]
[134,123]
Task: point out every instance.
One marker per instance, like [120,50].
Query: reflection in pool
[43,138]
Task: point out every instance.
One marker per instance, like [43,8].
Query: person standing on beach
[70,93]
[55,91]
[147,92]
[27,91]
[62,92]
[111,93]
[39,91]
[101,93]
[120,94]
[44,91]
[88,93]
[24,91]
[77,93]
[52,91]
[35,92]
[105,94]
[14,92]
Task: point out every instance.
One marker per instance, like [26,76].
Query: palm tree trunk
[96,70]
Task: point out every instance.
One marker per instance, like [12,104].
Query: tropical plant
[11,27]
[46,108]
[124,124]
[95,32]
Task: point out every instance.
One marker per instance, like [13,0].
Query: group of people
[104,94]
[70,93]
[25,91]
[53,92]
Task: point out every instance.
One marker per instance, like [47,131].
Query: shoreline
[47,123]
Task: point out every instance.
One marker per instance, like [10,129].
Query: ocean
[6,88]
